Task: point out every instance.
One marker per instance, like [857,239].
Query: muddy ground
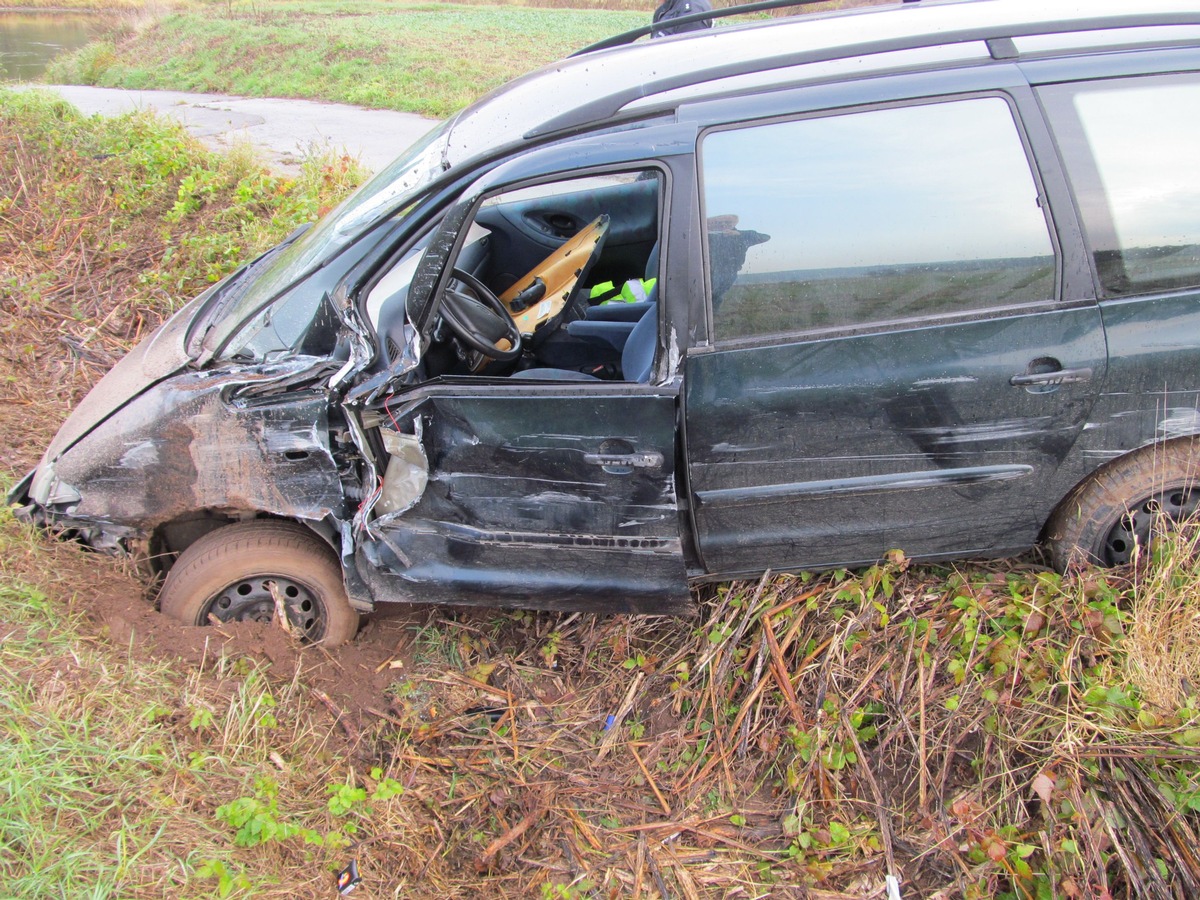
[119,596]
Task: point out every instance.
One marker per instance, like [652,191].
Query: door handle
[1051,379]
[648,459]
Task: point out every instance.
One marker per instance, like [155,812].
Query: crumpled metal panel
[562,501]
[207,441]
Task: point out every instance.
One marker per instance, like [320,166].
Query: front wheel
[1124,505]
[236,574]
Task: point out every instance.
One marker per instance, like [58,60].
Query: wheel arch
[1154,448]
[1112,472]
[169,539]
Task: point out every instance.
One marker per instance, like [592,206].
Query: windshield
[388,190]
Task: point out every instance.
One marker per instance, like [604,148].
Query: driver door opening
[550,451]
[548,282]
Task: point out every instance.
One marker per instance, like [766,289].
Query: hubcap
[251,600]
[1155,514]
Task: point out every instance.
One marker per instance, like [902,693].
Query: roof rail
[607,106]
[628,37]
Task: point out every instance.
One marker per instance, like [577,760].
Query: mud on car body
[924,277]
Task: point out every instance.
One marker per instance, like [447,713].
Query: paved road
[282,130]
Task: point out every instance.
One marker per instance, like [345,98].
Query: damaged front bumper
[43,500]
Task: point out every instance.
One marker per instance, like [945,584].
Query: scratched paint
[179,449]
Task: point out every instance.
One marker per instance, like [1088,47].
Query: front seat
[637,357]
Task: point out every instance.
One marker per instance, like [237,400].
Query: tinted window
[873,216]
[1132,149]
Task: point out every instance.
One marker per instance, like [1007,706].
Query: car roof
[599,87]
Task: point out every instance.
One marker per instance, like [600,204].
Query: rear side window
[870,217]
[1132,151]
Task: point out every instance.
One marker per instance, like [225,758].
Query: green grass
[427,58]
[86,799]
[91,768]
[139,184]
[423,58]
[98,6]
[126,776]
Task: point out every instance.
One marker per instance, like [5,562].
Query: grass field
[424,58]
[428,58]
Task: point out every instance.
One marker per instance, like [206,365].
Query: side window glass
[1131,149]
[556,279]
[872,217]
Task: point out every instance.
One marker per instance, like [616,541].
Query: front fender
[203,441]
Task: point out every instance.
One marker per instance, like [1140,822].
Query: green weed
[87,763]
[137,187]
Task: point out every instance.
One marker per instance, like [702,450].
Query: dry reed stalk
[613,726]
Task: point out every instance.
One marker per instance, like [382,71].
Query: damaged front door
[550,497]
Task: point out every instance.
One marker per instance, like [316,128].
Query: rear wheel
[1123,505]
[235,574]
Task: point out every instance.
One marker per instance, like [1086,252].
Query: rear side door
[1130,148]
[899,357]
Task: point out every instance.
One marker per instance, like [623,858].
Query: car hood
[159,356]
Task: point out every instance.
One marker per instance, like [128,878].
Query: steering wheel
[476,315]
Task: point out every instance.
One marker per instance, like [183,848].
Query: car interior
[551,282]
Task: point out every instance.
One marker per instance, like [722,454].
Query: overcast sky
[1146,141]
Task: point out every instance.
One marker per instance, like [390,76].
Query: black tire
[1125,503]
[228,574]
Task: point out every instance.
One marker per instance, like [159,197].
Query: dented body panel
[836,451]
[713,427]
[203,441]
[562,500]
[1152,393]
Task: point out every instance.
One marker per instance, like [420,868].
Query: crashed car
[774,296]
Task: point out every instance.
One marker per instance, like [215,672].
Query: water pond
[29,40]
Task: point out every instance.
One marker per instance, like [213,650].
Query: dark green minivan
[778,296]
